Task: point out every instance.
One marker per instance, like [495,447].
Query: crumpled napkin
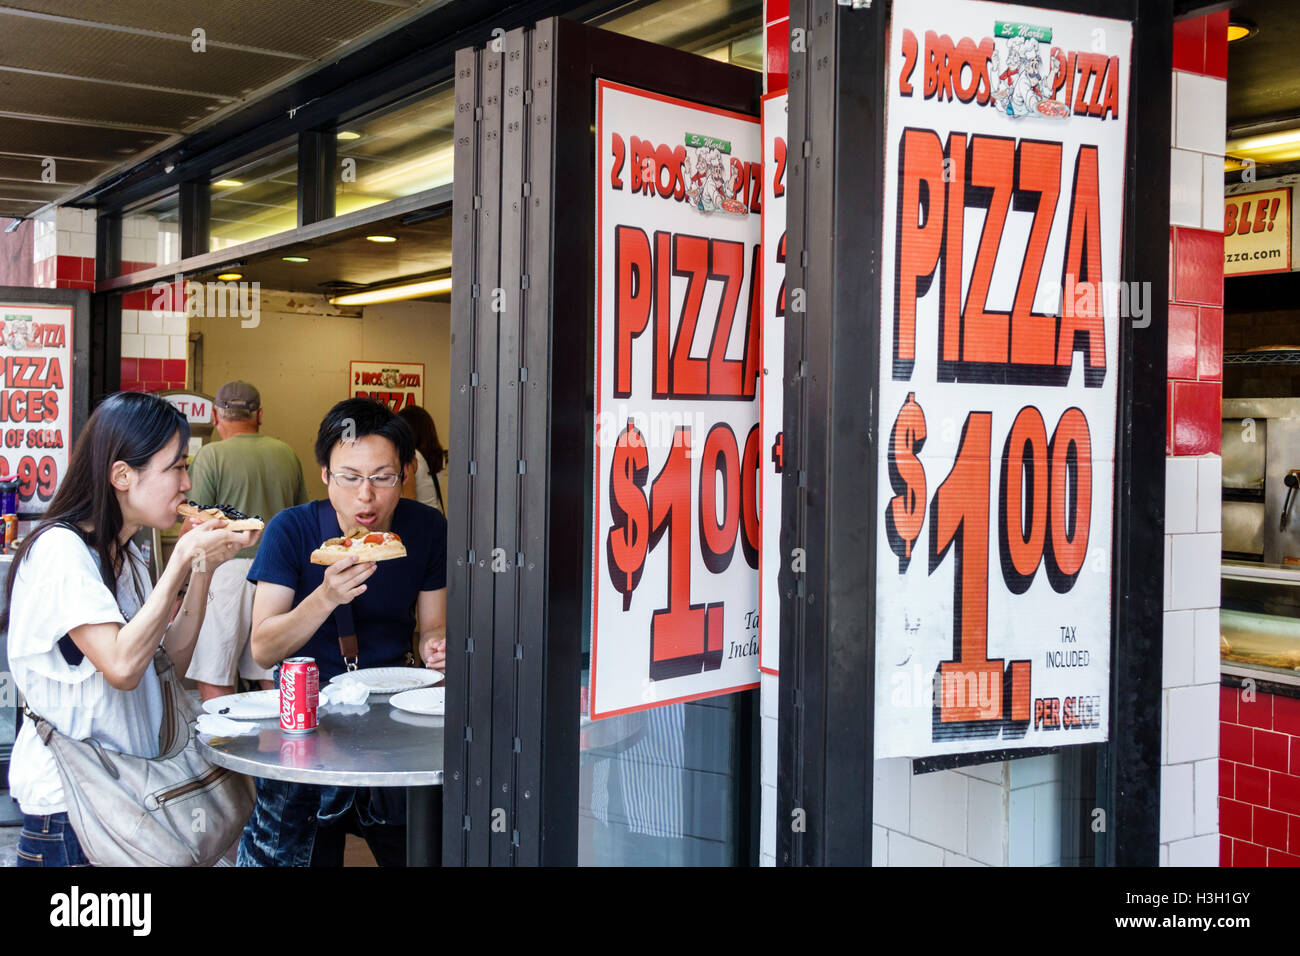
[220,726]
[348,690]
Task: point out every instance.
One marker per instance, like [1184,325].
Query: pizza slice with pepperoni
[362,545]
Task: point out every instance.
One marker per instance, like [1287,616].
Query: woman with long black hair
[422,482]
[84,620]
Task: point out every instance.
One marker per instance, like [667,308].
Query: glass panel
[402,151]
[254,200]
[658,788]
[726,30]
[151,234]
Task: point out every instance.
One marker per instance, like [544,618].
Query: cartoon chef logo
[713,176]
[391,377]
[17,332]
[1024,74]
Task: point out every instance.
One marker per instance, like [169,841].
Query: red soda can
[299,692]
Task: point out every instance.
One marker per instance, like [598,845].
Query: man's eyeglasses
[354,481]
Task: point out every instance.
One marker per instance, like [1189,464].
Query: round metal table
[372,745]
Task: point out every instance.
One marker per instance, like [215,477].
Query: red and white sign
[196,408]
[396,384]
[675,589]
[35,399]
[1257,232]
[772,387]
[1000,320]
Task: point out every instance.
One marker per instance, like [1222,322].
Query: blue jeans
[296,824]
[49,841]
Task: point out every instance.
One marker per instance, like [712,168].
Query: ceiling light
[412,290]
[296,259]
[1280,146]
[346,134]
[226,183]
[382,238]
[230,276]
[1240,30]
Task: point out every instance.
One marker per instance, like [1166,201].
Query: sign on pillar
[1001,309]
[678,301]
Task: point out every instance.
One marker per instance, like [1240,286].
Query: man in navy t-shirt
[364,451]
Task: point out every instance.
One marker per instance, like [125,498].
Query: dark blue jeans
[49,841]
[296,824]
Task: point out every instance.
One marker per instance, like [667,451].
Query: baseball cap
[238,396]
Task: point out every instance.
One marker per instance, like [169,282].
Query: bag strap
[343,613]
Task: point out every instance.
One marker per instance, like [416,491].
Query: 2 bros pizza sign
[999,335]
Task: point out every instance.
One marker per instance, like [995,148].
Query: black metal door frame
[522,438]
[826,697]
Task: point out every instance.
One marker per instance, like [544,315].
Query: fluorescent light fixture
[382,238]
[412,290]
[229,276]
[1277,147]
[226,183]
[296,259]
[347,134]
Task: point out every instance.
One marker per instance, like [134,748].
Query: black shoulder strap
[343,613]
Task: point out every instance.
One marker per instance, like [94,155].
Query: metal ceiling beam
[122,83]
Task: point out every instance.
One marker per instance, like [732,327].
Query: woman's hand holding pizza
[345,580]
[210,544]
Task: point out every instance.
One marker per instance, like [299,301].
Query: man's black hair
[355,418]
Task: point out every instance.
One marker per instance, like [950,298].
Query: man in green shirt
[258,475]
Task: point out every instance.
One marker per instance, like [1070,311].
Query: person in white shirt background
[423,482]
[84,619]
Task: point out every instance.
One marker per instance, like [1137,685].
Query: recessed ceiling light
[346,134]
[226,183]
[382,238]
[296,259]
[230,276]
[1240,30]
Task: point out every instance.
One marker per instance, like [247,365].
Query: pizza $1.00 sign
[675,559]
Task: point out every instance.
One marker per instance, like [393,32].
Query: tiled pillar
[63,249]
[776,45]
[155,334]
[1189,773]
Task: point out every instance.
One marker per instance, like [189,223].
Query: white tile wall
[891,798]
[174,323]
[1179,640]
[1206,796]
[133,346]
[955,859]
[1047,824]
[1196,559]
[1200,112]
[1209,480]
[130,322]
[157,346]
[151,322]
[1193,723]
[1207,647]
[905,851]
[986,822]
[767,706]
[1176,805]
[1186,191]
[1180,495]
[1198,851]
[178,348]
[879,846]
[1212,204]
[1020,843]
[1030,771]
[938,809]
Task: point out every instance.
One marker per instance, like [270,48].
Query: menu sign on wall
[773,389]
[35,399]
[395,384]
[1000,318]
[675,559]
[1257,232]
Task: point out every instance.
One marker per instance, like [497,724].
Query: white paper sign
[35,399]
[675,589]
[1001,310]
[773,387]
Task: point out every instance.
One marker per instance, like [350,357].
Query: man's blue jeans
[296,824]
[49,841]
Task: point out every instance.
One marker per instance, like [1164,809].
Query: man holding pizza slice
[308,599]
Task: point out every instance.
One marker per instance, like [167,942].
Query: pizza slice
[362,545]
[236,520]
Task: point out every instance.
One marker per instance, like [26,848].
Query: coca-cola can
[299,692]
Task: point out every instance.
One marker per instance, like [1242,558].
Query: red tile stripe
[1259,779]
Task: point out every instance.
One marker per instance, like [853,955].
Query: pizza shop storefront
[803,401]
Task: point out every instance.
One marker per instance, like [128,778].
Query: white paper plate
[430,701]
[256,705]
[391,680]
